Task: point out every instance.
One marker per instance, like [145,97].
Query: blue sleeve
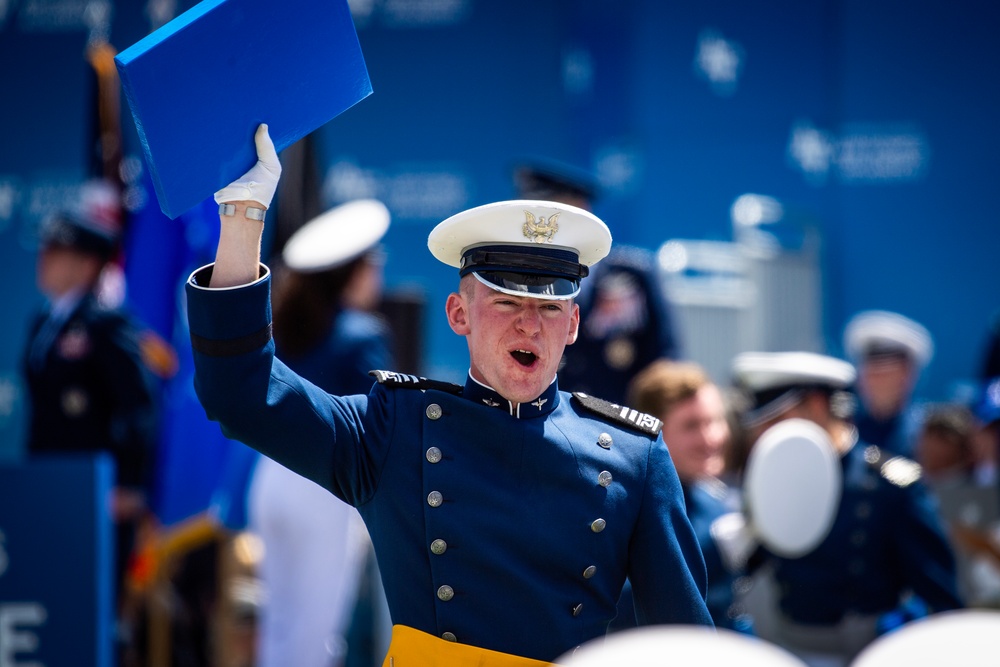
[338,442]
[666,566]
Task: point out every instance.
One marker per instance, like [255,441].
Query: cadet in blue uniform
[89,387]
[886,540]
[505,514]
[889,351]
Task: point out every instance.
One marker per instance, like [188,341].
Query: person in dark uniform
[505,514]
[886,540]
[889,351]
[90,388]
[696,430]
[625,318]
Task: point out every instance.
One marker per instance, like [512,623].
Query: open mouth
[523,357]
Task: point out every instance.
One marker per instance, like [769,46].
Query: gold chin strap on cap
[413,648]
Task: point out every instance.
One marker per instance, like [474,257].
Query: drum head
[678,646]
[964,637]
[792,487]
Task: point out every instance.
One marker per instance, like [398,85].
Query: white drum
[792,487]
[679,646]
[966,637]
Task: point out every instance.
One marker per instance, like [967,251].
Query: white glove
[735,538]
[261,181]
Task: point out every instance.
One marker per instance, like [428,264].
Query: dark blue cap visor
[524,284]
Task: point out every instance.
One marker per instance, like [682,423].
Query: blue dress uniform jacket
[511,532]
[91,390]
[356,341]
[897,434]
[886,539]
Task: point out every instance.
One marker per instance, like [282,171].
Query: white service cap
[875,333]
[525,247]
[776,380]
[337,236]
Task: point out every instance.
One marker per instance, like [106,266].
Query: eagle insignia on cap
[542,230]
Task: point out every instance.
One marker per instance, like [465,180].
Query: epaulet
[620,414]
[407,381]
[897,470]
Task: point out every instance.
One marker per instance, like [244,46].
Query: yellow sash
[412,648]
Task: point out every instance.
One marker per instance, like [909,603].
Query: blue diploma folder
[199,86]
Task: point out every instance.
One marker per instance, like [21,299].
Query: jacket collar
[480,393]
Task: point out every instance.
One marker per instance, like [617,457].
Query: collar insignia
[491,403]
[540,402]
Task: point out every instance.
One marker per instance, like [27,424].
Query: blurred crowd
[276,571]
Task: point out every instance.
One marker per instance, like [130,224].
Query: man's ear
[458,314]
[574,325]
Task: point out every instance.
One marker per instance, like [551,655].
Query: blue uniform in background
[625,325]
[91,390]
[886,540]
[493,529]
[897,434]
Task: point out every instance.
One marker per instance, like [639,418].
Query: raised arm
[237,258]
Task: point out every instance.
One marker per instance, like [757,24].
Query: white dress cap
[523,222]
[875,331]
[776,381]
[965,637]
[526,247]
[337,236]
[678,646]
[762,371]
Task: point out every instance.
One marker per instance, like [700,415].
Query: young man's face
[515,343]
[60,270]
[696,432]
[885,385]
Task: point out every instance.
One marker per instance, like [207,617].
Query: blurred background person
[970,503]
[889,351]
[625,321]
[986,440]
[88,371]
[327,289]
[696,432]
[945,448]
[886,542]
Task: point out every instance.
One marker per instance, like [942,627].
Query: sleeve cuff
[227,314]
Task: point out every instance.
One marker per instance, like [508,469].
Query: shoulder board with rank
[901,471]
[897,470]
[407,381]
[620,414]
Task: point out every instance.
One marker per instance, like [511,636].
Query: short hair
[952,422]
[659,387]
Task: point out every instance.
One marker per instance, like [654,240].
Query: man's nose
[529,321]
